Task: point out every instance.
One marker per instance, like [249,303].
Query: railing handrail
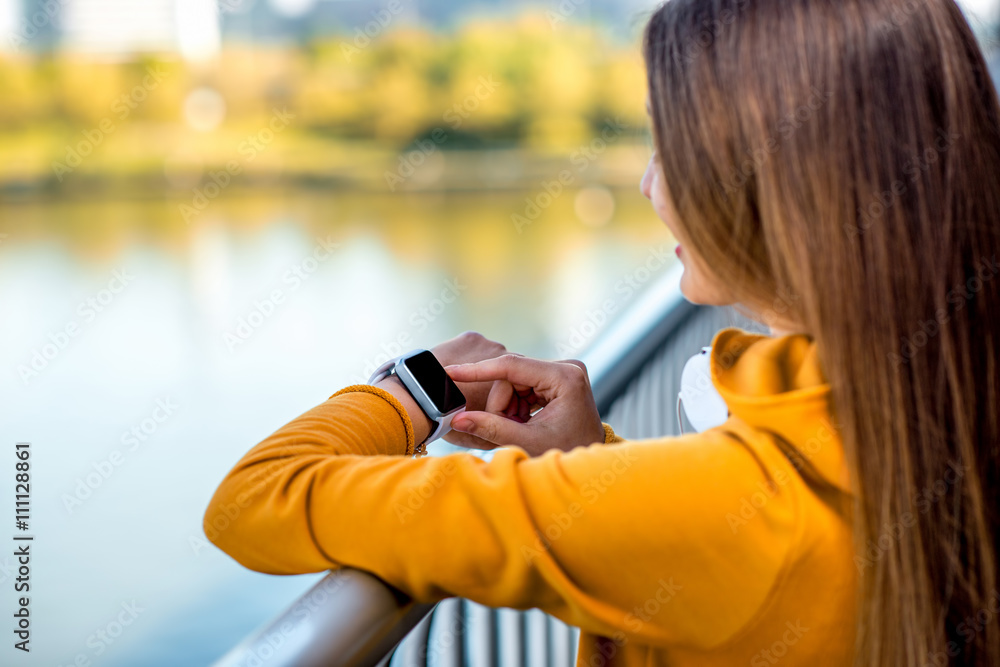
[349,617]
[627,343]
[353,618]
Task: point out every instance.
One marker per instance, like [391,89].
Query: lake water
[143,356]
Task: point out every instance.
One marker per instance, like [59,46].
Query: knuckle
[474,338]
[575,372]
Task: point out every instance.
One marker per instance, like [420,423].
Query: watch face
[430,375]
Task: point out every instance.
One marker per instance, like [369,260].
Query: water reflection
[144,356]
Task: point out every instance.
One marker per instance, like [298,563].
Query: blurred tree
[355,98]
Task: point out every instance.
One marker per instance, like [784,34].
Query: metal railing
[352,618]
[349,618]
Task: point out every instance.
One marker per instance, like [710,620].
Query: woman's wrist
[422,424]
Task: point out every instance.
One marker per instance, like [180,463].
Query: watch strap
[441,427]
[384,371]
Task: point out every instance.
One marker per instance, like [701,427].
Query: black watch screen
[440,388]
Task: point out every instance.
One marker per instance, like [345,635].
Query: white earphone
[703,404]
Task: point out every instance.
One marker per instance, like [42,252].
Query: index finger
[513,368]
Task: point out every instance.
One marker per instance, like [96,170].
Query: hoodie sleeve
[592,536]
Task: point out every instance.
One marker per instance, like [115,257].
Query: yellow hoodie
[726,547]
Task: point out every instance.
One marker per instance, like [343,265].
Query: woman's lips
[677,250]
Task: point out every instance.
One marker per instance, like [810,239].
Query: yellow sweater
[726,547]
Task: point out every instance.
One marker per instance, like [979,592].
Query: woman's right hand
[569,417]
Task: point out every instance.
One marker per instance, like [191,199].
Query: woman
[831,167]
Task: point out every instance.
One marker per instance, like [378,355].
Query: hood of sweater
[776,385]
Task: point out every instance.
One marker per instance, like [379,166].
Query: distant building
[120,28]
[24,25]
[10,14]
[196,28]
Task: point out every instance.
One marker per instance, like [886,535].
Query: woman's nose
[647,180]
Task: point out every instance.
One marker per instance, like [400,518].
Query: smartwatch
[431,387]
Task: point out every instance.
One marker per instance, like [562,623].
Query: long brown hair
[847,153]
